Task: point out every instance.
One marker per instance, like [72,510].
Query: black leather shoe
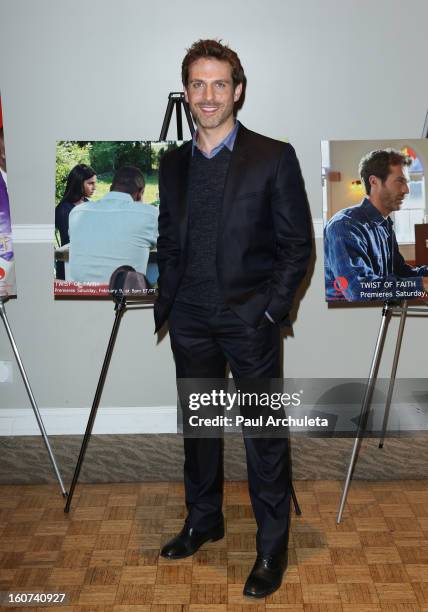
[188,541]
[266,575]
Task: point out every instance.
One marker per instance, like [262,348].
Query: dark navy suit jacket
[264,233]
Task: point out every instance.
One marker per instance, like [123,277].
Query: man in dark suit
[234,244]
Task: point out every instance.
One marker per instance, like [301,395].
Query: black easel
[175,99]
[122,302]
[121,305]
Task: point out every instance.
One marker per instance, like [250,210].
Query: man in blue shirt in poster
[116,230]
[362,259]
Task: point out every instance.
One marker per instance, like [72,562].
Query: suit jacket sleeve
[292,226]
[168,248]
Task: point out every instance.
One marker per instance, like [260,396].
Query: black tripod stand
[121,305]
[176,99]
[124,302]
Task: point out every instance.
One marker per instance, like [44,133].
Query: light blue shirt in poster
[109,233]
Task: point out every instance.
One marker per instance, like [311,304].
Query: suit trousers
[203,340]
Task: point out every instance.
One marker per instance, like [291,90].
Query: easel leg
[31,396]
[386,315]
[167,119]
[393,371]
[188,117]
[120,309]
[295,502]
[290,474]
[179,120]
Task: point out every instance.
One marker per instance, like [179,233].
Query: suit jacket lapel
[235,172]
[183,167]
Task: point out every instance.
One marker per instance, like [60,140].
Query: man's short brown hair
[378,163]
[214,49]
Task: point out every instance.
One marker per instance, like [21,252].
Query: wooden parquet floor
[104,555]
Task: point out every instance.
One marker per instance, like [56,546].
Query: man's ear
[237,93]
[373,180]
[186,97]
[138,195]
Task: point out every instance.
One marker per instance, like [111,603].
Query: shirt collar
[118,195]
[373,215]
[228,141]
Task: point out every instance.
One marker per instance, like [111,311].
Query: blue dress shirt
[361,258]
[228,142]
[109,233]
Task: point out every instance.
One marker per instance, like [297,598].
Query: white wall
[337,69]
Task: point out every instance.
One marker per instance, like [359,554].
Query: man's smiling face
[211,93]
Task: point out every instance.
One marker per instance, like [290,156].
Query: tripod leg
[290,475]
[393,371]
[31,397]
[295,502]
[120,309]
[179,119]
[188,116]
[167,119]
[386,315]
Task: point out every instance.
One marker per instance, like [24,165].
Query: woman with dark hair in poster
[81,183]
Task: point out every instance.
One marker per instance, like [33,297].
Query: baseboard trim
[33,233]
[72,421]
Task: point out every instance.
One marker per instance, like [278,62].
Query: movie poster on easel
[375,211]
[7,263]
[106,213]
